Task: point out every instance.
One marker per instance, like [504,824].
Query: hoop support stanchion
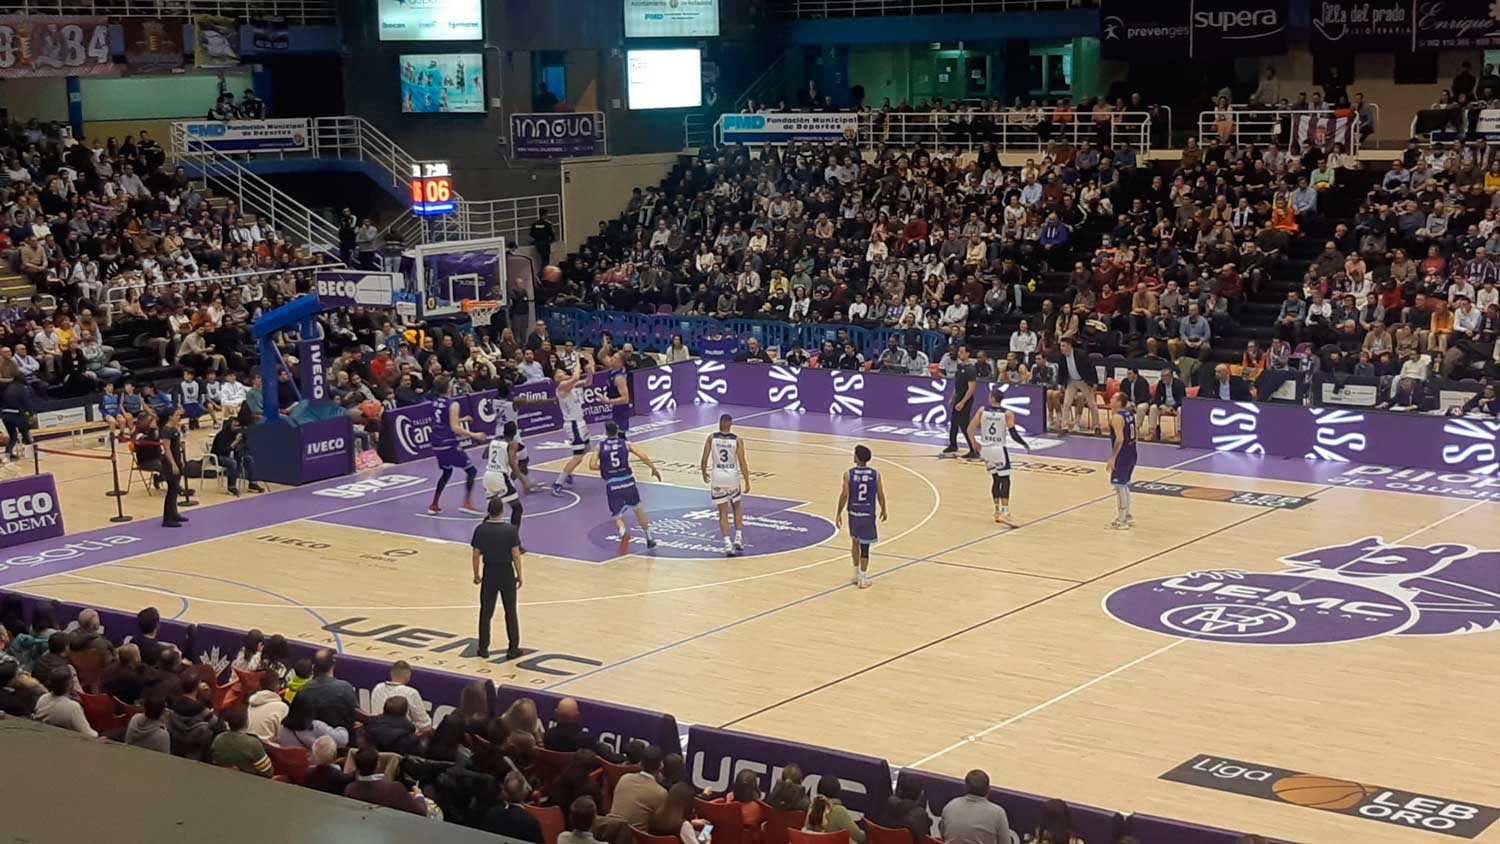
[116,493]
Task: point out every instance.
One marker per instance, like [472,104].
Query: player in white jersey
[505,411]
[575,428]
[725,471]
[990,427]
[501,470]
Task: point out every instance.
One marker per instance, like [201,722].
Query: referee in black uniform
[963,405]
[497,573]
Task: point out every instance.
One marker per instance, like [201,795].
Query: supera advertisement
[406,432]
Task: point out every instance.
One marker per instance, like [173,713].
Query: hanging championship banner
[153,45]
[216,41]
[55,46]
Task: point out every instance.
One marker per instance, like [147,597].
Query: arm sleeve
[1016,435]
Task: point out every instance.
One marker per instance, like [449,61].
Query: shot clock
[431,189]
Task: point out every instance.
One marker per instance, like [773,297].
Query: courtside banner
[29,510]
[285,134]
[787,128]
[920,400]
[715,756]
[612,723]
[1024,810]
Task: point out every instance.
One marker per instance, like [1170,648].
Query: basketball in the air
[551,272]
[1319,792]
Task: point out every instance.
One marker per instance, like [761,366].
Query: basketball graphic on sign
[1316,792]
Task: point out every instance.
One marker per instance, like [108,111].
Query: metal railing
[1012,131]
[254,194]
[512,218]
[696,130]
[1291,129]
[295,11]
[898,8]
[768,89]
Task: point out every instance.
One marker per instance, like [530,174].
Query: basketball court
[1248,616]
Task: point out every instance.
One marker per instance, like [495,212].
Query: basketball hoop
[480,311]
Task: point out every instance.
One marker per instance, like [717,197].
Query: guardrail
[1010,131]
[269,203]
[655,331]
[1289,128]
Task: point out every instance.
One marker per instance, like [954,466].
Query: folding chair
[644,837]
[797,836]
[289,762]
[779,823]
[136,472]
[90,667]
[100,712]
[209,460]
[877,834]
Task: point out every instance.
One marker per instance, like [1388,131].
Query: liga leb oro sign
[1393,806]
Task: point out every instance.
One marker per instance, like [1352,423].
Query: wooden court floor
[978,646]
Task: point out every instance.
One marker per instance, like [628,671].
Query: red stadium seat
[779,823]
[877,834]
[797,836]
[728,820]
[644,837]
[90,667]
[550,818]
[289,762]
[100,712]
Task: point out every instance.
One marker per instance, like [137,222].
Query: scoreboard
[432,189]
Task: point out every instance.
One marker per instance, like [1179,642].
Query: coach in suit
[1166,400]
[1225,386]
[1077,376]
[1137,394]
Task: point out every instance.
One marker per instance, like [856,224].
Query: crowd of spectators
[508,773]
[1267,258]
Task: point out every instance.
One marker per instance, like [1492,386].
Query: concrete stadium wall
[597,189]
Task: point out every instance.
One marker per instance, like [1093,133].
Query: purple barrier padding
[121,626]
[29,510]
[615,724]
[923,401]
[1341,434]
[1154,830]
[1092,825]
[66,610]
[715,756]
[442,691]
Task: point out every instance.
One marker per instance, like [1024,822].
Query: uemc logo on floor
[1329,794]
[1340,593]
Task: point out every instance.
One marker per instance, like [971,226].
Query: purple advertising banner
[1090,824]
[612,723]
[1153,828]
[406,432]
[715,756]
[1459,445]
[327,448]
[556,135]
[441,691]
[801,389]
[312,371]
[29,510]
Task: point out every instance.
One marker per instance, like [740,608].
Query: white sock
[1004,509]
[727,543]
[739,536]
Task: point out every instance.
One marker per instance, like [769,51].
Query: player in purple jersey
[861,491]
[1122,459]
[617,393]
[612,462]
[447,429]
